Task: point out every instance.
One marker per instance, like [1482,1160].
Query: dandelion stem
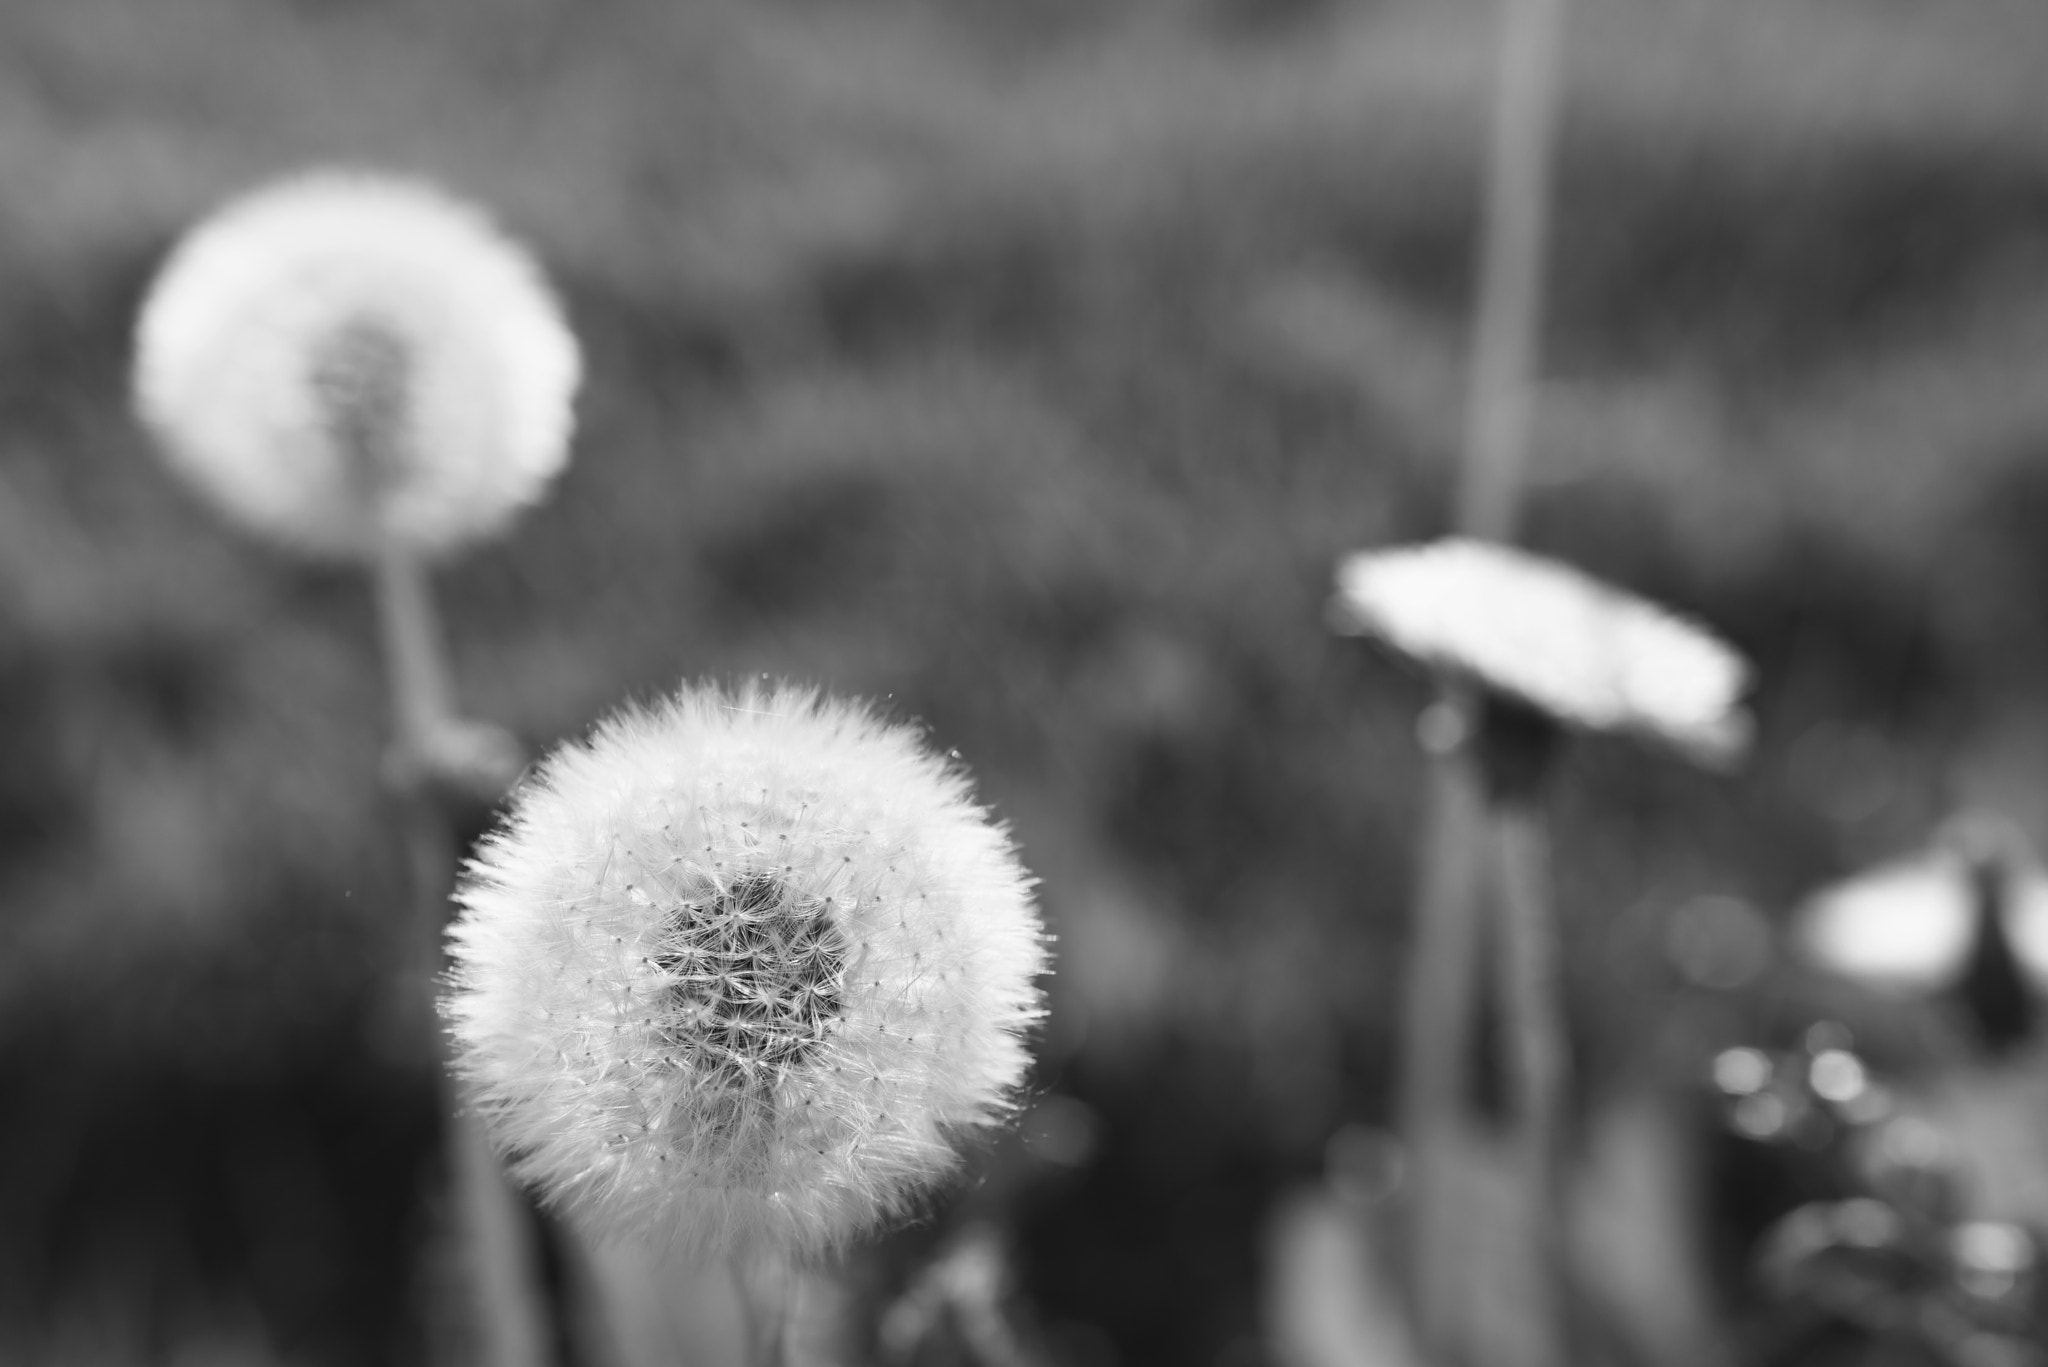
[1539,1062]
[765,1292]
[1506,330]
[415,660]
[494,1229]
[1508,312]
[1436,1035]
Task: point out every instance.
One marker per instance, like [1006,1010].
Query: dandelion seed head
[1905,926]
[739,971]
[1585,654]
[342,358]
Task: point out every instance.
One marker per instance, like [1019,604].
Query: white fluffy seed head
[738,971]
[1906,926]
[341,359]
[1582,652]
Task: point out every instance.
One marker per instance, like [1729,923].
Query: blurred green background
[1025,363]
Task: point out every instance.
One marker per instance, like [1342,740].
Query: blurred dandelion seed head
[1906,926]
[344,358]
[359,377]
[739,970]
[1541,632]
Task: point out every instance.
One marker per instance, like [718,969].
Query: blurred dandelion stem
[500,1258]
[1536,1047]
[1499,412]
[1437,1041]
[1508,314]
[766,1291]
[415,659]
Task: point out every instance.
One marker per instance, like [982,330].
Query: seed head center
[758,974]
[359,375]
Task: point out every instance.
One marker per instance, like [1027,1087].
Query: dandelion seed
[341,358]
[752,1010]
[1548,637]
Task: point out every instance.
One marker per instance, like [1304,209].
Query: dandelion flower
[738,970]
[1544,634]
[344,359]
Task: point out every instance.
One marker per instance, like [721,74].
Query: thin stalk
[494,1228]
[1538,1053]
[1500,403]
[1436,1041]
[1509,310]
[657,1305]
[415,659]
[765,1299]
